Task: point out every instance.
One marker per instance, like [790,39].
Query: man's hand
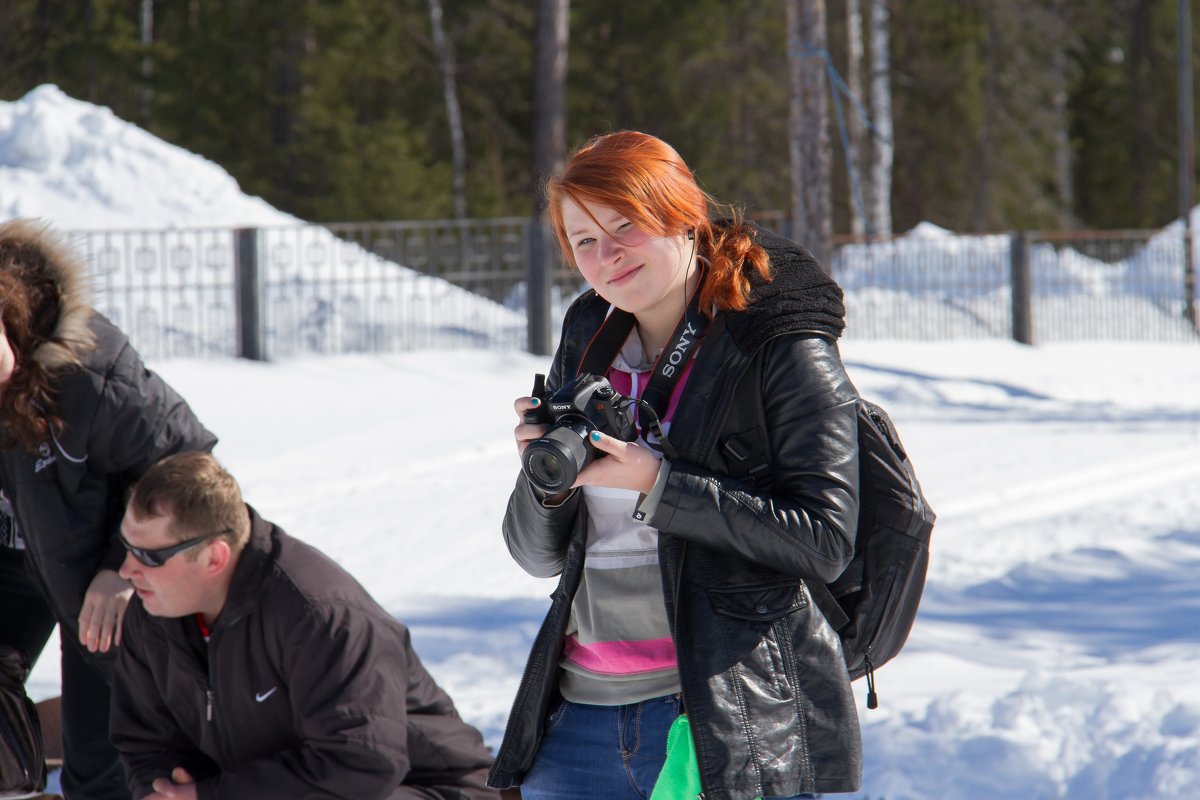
[103,610]
[180,786]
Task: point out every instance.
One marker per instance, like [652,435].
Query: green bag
[680,776]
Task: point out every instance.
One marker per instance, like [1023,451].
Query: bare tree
[881,114]
[808,128]
[147,39]
[549,144]
[1064,158]
[854,57]
[1140,47]
[458,148]
[550,87]
[987,132]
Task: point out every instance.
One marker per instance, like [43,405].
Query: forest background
[1030,114]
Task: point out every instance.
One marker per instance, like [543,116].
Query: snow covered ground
[1055,655]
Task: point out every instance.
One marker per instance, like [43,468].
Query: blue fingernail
[537,401]
[595,436]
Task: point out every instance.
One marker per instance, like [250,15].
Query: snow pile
[80,167]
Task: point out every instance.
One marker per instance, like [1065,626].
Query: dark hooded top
[119,418]
[305,688]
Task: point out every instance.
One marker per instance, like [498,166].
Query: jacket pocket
[762,603]
[754,628]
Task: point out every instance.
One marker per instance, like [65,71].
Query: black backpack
[22,763]
[873,603]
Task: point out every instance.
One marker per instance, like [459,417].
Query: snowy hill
[79,166]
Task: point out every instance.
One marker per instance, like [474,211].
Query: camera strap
[668,368]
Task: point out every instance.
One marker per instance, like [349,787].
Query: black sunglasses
[156,558]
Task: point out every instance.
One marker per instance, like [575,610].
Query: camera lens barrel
[553,462]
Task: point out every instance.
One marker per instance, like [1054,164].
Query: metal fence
[378,287]
[277,292]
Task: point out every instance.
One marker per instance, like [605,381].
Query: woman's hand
[628,465]
[526,432]
[103,610]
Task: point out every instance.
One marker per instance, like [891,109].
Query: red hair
[642,178]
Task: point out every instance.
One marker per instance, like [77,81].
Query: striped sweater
[618,647]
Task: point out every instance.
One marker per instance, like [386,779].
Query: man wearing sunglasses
[255,667]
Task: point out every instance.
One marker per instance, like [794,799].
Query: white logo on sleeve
[266,694]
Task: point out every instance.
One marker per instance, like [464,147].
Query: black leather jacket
[764,681]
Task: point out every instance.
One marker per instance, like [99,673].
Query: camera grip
[538,415]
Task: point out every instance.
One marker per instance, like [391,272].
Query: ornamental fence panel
[383,287]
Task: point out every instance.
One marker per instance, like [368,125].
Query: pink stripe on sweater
[621,658]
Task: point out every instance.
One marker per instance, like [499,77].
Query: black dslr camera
[588,403]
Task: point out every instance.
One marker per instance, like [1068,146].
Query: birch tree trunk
[147,39]
[458,148]
[1064,162]
[854,57]
[983,186]
[1142,97]
[808,129]
[881,115]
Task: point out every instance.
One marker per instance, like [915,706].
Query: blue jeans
[603,752]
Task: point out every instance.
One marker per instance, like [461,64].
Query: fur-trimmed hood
[28,246]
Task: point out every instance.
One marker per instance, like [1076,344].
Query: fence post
[537,287]
[249,320]
[1022,289]
[1189,276]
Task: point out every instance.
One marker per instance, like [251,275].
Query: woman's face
[634,270]
[8,361]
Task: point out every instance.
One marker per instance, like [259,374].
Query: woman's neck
[655,333]
[656,325]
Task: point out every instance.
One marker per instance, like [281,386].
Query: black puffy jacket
[307,688]
[69,496]
[119,418]
[764,682]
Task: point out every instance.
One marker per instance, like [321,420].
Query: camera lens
[545,468]
[553,462]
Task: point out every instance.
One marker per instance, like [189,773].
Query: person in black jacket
[255,667]
[81,418]
[684,578]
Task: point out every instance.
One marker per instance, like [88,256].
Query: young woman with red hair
[683,558]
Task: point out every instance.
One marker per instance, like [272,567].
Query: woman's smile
[624,276]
